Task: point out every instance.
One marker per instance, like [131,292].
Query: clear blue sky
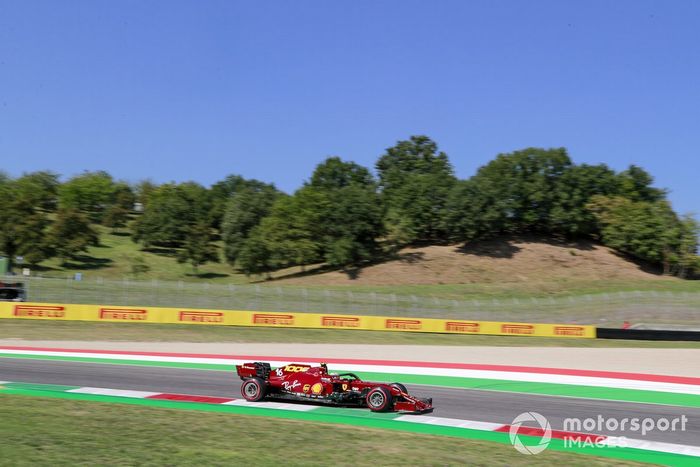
[196,90]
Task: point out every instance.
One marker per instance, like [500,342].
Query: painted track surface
[497,407]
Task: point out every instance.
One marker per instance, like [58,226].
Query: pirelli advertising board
[122,314]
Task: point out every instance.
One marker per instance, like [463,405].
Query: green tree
[344,212]
[334,173]
[573,191]
[289,231]
[336,217]
[169,212]
[115,217]
[23,224]
[198,248]
[124,196]
[40,189]
[647,230]
[471,212]
[143,190]
[351,225]
[514,193]
[415,180]
[71,234]
[89,192]
[165,218]
[221,194]
[636,185]
[688,261]
[244,210]
[255,257]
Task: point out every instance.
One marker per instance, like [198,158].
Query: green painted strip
[524,387]
[371,422]
[361,413]
[40,387]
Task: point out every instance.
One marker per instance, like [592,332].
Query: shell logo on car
[317,388]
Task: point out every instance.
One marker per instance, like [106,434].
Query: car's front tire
[379,399]
[253,389]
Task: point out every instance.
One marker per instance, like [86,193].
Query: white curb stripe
[670,448]
[455,372]
[5,382]
[114,392]
[271,405]
[453,422]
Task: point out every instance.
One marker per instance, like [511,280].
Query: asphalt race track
[468,404]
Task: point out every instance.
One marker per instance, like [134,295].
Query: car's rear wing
[254,370]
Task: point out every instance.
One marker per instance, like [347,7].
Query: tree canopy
[346,216]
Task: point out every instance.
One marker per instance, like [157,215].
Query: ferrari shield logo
[345,387]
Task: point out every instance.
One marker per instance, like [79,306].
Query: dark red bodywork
[315,384]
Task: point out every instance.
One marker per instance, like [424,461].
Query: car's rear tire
[400,387]
[379,399]
[253,389]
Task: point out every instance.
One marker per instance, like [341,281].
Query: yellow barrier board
[122,314]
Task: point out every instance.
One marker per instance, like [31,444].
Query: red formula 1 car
[314,384]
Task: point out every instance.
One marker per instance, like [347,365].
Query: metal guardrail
[599,309]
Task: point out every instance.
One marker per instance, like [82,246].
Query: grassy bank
[76,331]
[38,431]
[533,281]
[112,260]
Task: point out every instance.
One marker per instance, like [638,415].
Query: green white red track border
[582,378]
[605,446]
[648,451]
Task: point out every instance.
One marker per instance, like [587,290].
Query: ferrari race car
[314,384]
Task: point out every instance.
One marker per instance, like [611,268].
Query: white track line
[114,392]
[271,405]
[671,448]
[454,422]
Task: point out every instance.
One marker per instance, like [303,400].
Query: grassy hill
[504,267]
[113,259]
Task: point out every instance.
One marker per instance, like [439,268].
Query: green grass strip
[372,421]
[524,387]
